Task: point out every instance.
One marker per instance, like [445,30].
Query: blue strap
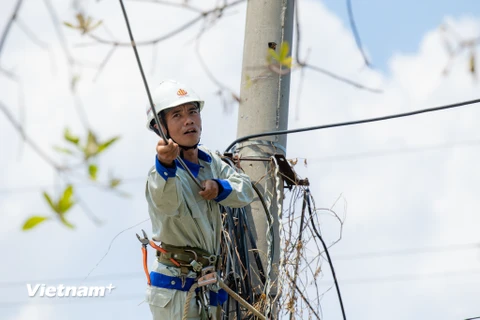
[163,281]
[218,299]
[168,282]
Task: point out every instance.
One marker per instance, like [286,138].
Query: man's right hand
[167,153]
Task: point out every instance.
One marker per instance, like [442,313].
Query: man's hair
[163,113]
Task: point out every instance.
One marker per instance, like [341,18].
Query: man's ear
[156,127]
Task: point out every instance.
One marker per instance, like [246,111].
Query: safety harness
[187,259]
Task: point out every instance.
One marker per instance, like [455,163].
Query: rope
[187,301]
[240,300]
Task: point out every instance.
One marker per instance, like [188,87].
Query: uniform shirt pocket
[159,297]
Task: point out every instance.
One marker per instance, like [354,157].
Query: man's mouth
[190,131]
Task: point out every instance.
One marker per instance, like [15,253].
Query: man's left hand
[211,190]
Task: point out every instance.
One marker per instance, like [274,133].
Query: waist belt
[185,256]
[175,283]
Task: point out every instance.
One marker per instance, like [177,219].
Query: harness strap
[163,281]
[168,282]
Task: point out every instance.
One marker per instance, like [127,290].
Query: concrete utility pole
[264,107]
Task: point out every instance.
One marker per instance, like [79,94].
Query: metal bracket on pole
[289,176]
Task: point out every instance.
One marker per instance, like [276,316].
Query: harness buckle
[196,266]
[211,259]
[209,276]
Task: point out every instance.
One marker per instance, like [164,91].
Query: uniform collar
[193,167]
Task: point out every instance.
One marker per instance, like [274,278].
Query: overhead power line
[341,157]
[350,123]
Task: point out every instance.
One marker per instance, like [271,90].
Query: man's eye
[176,115]
[194,111]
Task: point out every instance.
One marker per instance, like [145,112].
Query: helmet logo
[181,92]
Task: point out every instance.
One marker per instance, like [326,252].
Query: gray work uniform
[181,217]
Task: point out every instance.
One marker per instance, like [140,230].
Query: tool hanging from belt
[185,258]
[145,241]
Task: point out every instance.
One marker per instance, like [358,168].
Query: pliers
[145,241]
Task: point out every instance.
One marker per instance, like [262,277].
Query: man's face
[184,124]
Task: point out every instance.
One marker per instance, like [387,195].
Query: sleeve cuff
[225,189]
[163,171]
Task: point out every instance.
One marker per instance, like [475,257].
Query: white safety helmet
[169,94]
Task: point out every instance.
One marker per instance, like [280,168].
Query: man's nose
[189,120]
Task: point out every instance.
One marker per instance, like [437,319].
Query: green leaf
[472,62]
[92,171]
[50,202]
[33,221]
[249,81]
[70,138]
[63,150]
[68,24]
[106,144]
[96,25]
[284,49]
[287,62]
[73,82]
[114,183]
[66,202]
[65,222]
[80,19]
[272,54]
[91,148]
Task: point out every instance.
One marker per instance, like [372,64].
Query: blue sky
[389,27]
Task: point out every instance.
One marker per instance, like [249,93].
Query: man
[185,219]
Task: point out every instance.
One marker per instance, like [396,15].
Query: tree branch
[202,15]
[356,34]
[9,24]
[210,74]
[29,141]
[304,64]
[340,78]
[31,35]
[171,4]
[71,61]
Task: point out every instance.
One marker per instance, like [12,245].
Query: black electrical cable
[328,254]
[152,105]
[256,256]
[269,218]
[349,123]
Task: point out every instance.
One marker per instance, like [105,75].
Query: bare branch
[9,74]
[149,42]
[71,61]
[356,34]
[89,212]
[29,33]
[303,64]
[172,4]
[27,139]
[218,11]
[221,86]
[9,24]
[104,62]
[340,78]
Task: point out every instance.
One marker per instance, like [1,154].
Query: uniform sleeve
[235,187]
[163,190]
